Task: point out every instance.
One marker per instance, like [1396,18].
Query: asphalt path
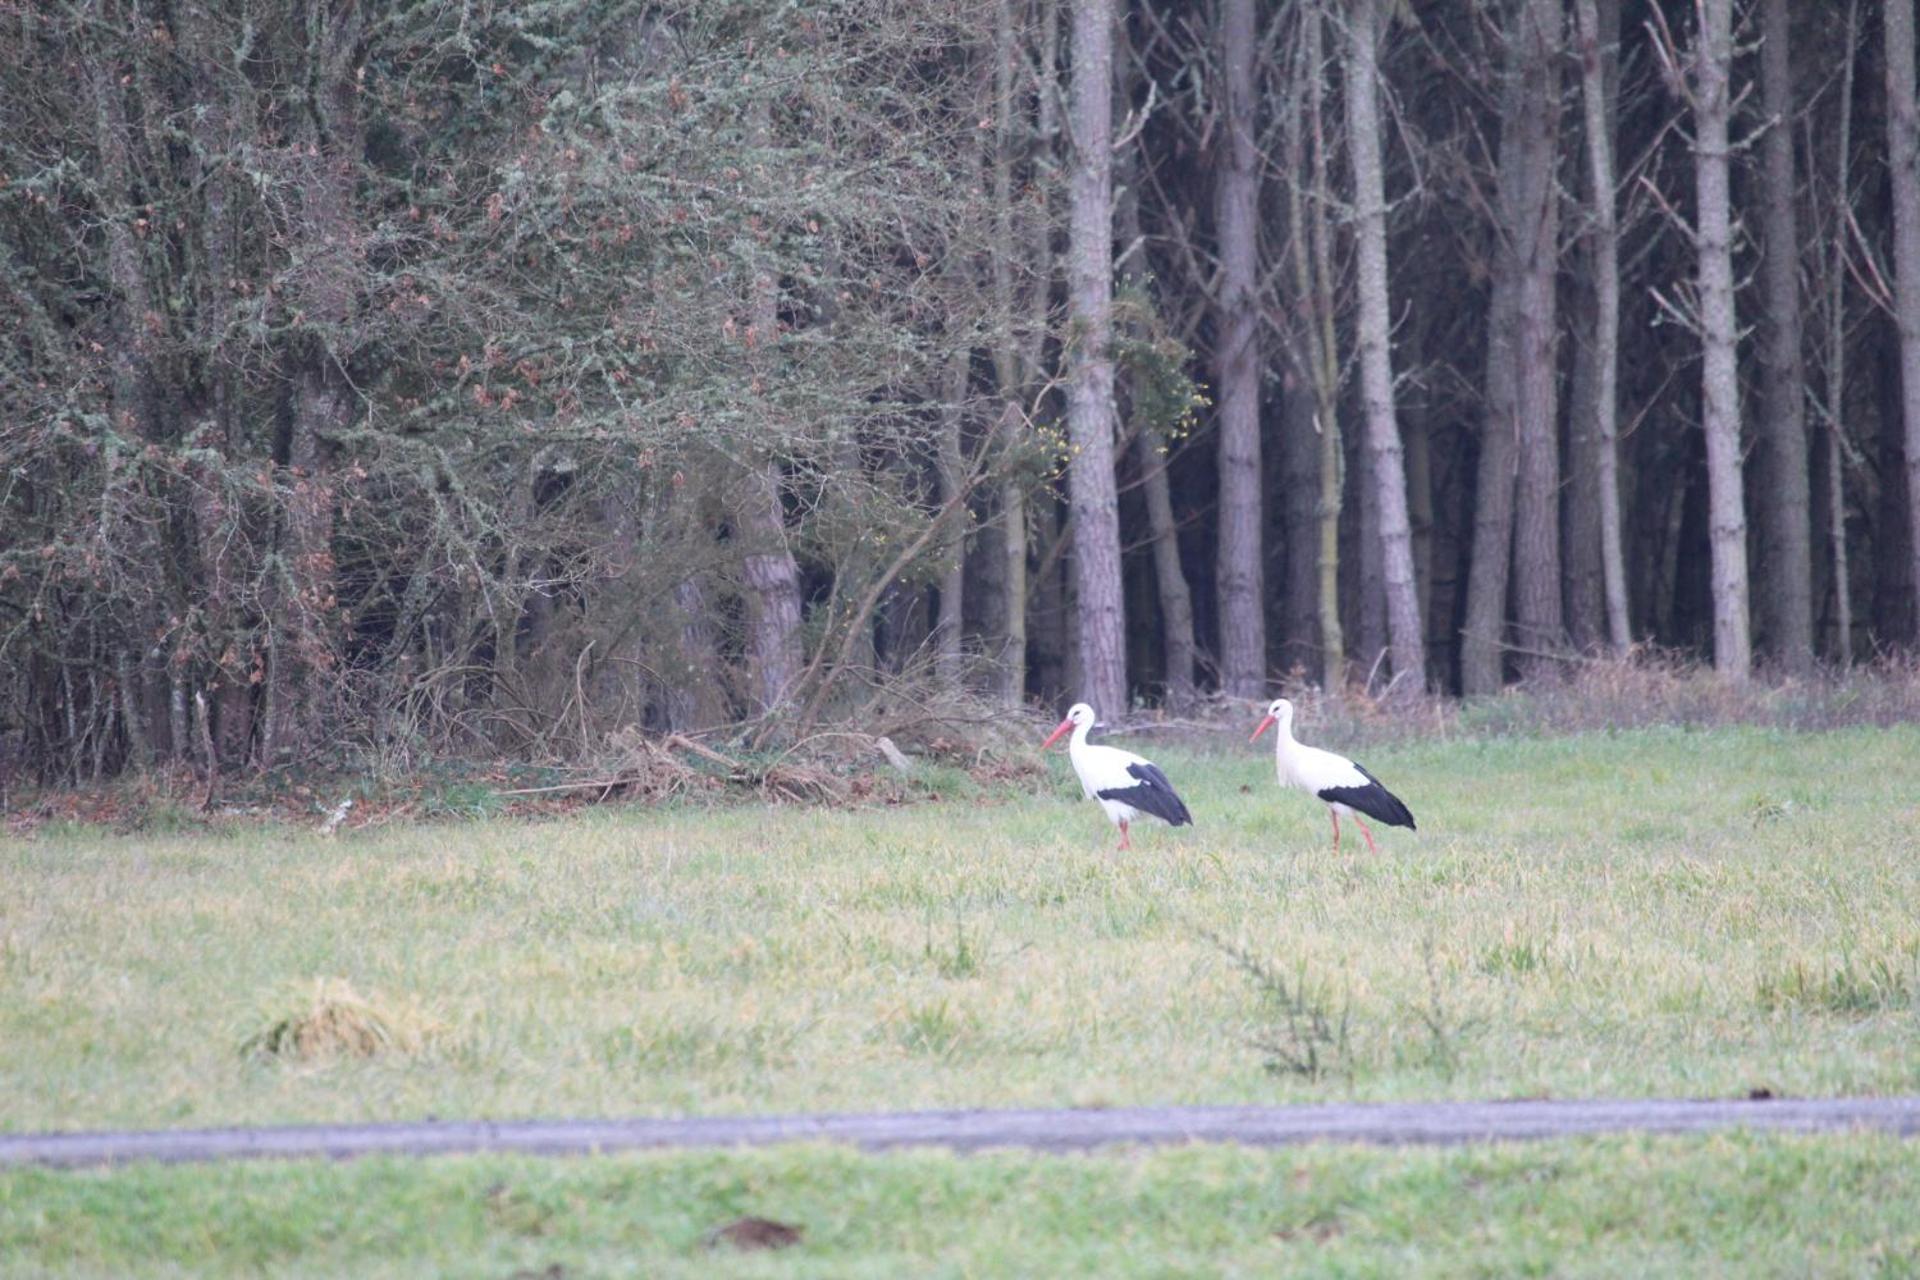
[1390,1124]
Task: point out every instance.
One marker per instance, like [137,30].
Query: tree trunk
[1517,443]
[1894,610]
[1903,144]
[218,525]
[1299,485]
[1100,612]
[1056,663]
[1305,131]
[1835,413]
[1239,365]
[694,698]
[1598,35]
[1581,578]
[772,582]
[1010,662]
[1178,650]
[1366,591]
[949,630]
[767,570]
[1837,536]
[322,407]
[1530,141]
[1483,637]
[1785,600]
[1373,327]
[139,748]
[694,680]
[128,530]
[1720,373]
[1516,525]
[324,402]
[1008,534]
[1176,601]
[1016,363]
[1417,429]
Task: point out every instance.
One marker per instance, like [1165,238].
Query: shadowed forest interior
[391,382]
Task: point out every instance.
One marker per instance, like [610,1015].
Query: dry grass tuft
[329,1019]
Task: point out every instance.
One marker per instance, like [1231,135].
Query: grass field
[1655,912]
[1723,1205]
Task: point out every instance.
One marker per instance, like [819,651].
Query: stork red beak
[1054,737]
[1262,729]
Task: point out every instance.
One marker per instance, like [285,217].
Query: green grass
[1648,913]
[1576,917]
[1718,1205]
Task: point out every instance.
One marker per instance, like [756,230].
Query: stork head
[1078,714]
[1279,712]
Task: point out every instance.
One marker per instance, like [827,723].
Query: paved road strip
[1048,1130]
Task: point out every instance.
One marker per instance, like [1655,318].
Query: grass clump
[956,962]
[700,1045]
[934,1029]
[329,1019]
[1518,958]
[1851,988]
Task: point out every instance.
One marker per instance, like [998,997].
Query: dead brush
[651,770]
[329,1019]
[644,768]
[801,783]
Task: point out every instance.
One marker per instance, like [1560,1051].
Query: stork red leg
[1367,833]
[1126,841]
[1336,829]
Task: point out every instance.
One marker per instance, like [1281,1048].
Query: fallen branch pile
[654,769]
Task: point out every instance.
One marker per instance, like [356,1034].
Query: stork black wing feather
[1151,794]
[1373,800]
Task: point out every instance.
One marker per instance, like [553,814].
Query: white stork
[1125,784]
[1343,785]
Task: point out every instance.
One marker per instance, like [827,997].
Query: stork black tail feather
[1153,794]
[1373,800]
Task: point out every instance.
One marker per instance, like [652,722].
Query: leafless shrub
[1444,1030]
[1305,1031]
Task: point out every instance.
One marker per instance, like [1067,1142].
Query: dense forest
[385,381]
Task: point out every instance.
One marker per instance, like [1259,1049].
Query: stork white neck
[1291,760]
